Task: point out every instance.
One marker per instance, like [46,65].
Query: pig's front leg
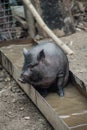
[43,91]
[60,86]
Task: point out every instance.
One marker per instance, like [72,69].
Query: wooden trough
[63,113]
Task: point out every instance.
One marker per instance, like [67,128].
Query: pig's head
[32,70]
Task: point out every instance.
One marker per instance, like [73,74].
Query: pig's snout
[21,79]
[24,77]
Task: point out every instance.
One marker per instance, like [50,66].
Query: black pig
[45,64]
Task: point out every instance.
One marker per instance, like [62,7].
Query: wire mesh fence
[9,27]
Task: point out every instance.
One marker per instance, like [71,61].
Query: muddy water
[72,108]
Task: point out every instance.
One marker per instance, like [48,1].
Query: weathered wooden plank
[67,113]
[30,22]
[82,87]
[16,42]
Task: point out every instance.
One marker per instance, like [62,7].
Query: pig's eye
[32,65]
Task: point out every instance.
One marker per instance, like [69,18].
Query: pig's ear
[41,55]
[25,52]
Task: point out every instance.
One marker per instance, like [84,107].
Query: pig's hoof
[61,93]
[21,80]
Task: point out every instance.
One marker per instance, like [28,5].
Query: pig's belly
[45,83]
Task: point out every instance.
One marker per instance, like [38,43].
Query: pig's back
[50,49]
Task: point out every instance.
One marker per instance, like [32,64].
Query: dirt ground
[78,62]
[17,112]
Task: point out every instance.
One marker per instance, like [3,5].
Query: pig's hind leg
[60,85]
